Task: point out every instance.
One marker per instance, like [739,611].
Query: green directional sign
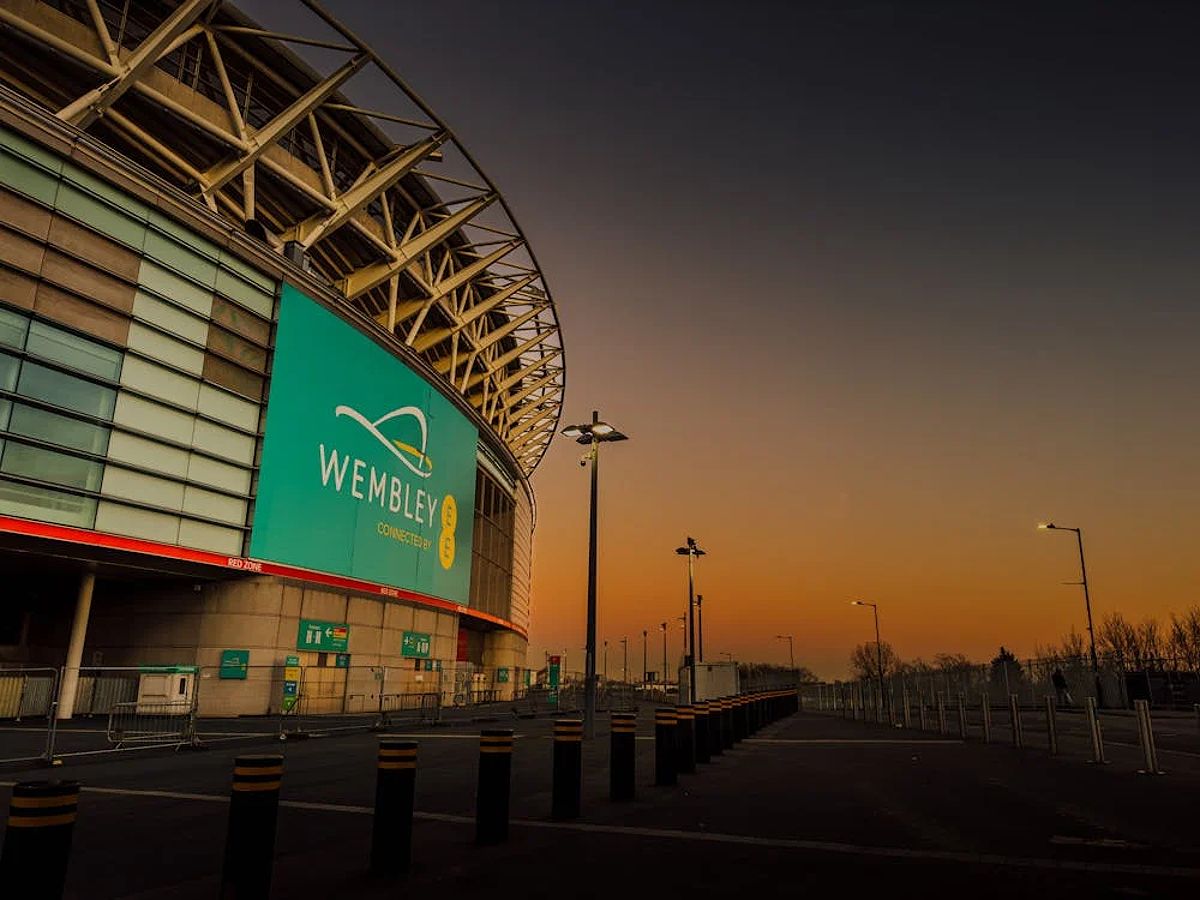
[291,682]
[367,470]
[234,664]
[415,644]
[327,637]
[502,676]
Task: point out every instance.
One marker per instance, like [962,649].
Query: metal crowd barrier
[144,723]
[426,706]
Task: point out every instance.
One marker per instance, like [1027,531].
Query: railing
[152,723]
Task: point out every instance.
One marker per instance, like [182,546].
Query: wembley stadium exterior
[276,364]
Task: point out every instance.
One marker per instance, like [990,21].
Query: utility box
[170,692]
[713,680]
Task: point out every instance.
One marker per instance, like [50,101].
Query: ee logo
[446,538]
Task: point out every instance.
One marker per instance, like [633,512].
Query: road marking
[1159,749]
[836,847]
[850,741]
[1108,843]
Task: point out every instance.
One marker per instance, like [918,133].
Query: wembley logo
[405,452]
[365,481]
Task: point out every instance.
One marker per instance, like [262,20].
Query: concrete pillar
[83,610]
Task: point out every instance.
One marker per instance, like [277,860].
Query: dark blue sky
[873,286]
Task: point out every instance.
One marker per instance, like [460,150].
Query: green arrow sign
[330,637]
[415,643]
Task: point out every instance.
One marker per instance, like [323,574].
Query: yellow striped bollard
[250,837]
[700,731]
[392,825]
[685,740]
[664,747]
[568,768]
[37,842]
[622,757]
[491,798]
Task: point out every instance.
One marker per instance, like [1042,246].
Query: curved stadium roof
[386,204]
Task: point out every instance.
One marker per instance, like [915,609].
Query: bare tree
[864,660]
[1183,639]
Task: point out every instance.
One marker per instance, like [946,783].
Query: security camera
[583,460]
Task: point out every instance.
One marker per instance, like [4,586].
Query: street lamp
[593,434]
[878,643]
[691,551]
[791,655]
[645,658]
[1087,600]
[604,670]
[625,661]
[663,626]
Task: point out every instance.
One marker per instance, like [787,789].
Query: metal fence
[27,702]
[1162,682]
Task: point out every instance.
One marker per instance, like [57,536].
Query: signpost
[234,664]
[291,683]
[327,637]
[552,676]
[415,644]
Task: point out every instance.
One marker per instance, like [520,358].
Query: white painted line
[850,741]
[836,847]
[1159,749]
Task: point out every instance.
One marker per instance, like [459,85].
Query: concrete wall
[180,623]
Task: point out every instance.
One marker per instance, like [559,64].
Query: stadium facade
[275,367]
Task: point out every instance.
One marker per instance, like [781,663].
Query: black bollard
[664,747]
[739,719]
[700,731]
[491,797]
[685,740]
[727,721]
[716,743]
[622,756]
[568,768]
[392,825]
[250,838]
[37,843]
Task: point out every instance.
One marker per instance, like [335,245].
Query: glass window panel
[58,429]
[50,465]
[46,504]
[5,408]
[73,351]
[13,326]
[8,371]
[66,391]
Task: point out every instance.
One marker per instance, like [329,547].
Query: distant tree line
[770,673]
[1119,643]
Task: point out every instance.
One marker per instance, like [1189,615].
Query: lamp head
[572,431]
[1045,525]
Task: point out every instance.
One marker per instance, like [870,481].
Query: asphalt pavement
[811,803]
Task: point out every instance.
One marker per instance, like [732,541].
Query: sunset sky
[873,288]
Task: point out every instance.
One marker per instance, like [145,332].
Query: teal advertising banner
[367,471]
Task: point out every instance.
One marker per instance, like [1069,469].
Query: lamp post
[663,626]
[592,434]
[625,660]
[691,550]
[700,627]
[878,643]
[604,669]
[1087,601]
[645,658]
[791,655]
